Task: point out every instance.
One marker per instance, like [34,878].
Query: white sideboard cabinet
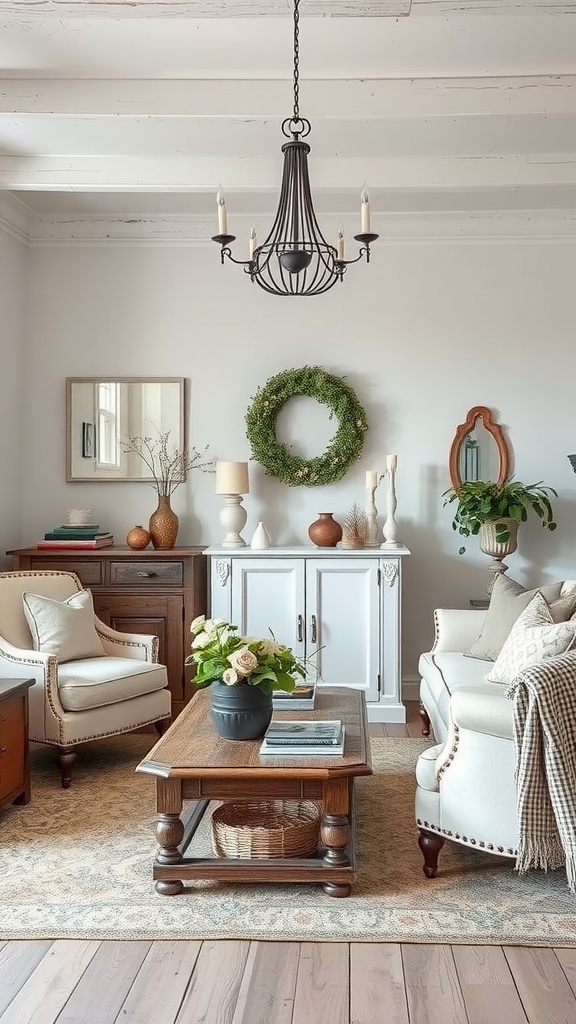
[340,608]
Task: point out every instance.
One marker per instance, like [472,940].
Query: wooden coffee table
[192,763]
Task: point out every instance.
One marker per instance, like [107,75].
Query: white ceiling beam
[322,99]
[255,175]
[198,9]
[14,9]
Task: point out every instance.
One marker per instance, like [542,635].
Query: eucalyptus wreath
[344,448]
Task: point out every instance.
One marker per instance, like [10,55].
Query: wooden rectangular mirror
[102,411]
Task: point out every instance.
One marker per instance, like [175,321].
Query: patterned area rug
[77,864]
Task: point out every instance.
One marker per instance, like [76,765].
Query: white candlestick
[365,209]
[371,479]
[391,462]
[253,240]
[370,513]
[390,527]
[232,478]
[340,242]
[222,213]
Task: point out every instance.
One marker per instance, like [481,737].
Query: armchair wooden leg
[66,762]
[161,726]
[430,843]
[424,719]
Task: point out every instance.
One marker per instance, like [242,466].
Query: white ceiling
[133,108]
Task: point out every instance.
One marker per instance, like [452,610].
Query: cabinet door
[158,615]
[343,622]
[268,595]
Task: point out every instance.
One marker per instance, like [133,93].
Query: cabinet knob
[314,633]
[300,628]
[3,750]
[147,575]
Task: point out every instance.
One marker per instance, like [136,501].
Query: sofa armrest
[456,629]
[489,713]
[140,646]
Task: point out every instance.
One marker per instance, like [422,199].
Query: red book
[98,542]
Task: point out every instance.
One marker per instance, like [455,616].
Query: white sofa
[465,782]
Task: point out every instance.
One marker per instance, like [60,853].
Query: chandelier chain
[296,114]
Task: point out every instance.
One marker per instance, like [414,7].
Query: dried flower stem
[168,466]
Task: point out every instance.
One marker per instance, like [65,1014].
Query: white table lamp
[232,483]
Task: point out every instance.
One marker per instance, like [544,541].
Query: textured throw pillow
[507,601]
[64,628]
[533,637]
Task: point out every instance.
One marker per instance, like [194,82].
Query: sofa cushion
[535,636]
[63,628]
[507,601]
[96,682]
[448,672]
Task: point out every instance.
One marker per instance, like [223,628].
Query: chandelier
[295,259]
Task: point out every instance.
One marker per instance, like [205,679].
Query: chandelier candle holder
[232,484]
[295,258]
[370,510]
[390,525]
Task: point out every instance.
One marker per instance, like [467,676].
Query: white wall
[422,334]
[12,405]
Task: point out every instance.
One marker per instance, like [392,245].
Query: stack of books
[308,738]
[301,698]
[89,536]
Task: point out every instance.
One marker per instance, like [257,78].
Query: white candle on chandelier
[222,212]
[391,462]
[365,209]
[340,245]
[253,240]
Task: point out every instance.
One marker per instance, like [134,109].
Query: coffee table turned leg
[335,834]
[169,833]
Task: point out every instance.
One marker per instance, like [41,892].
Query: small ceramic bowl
[79,516]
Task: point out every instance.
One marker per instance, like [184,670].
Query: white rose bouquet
[222,655]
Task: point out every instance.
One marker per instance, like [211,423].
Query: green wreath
[344,448]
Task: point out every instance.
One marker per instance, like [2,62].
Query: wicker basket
[277,828]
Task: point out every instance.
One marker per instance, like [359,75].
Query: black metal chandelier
[295,259]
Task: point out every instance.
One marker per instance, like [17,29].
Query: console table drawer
[90,574]
[162,574]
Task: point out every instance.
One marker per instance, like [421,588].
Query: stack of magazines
[312,738]
[301,698]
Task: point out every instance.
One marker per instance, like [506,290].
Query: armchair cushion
[534,637]
[66,628]
[507,601]
[97,682]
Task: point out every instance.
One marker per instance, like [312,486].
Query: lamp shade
[232,478]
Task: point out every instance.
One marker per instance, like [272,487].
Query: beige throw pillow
[507,601]
[63,628]
[533,637]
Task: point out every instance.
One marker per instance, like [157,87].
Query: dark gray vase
[240,712]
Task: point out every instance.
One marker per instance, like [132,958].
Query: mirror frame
[478,412]
[103,378]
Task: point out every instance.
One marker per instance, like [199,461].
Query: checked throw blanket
[545,741]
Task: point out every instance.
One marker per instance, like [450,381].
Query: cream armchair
[118,686]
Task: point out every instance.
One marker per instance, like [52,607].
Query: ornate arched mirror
[479,450]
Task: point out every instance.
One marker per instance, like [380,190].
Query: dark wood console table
[14,763]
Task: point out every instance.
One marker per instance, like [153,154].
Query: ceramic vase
[325,532]
[260,540]
[138,538]
[241,712]
[163,525]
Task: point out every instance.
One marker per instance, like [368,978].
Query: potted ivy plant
[504,506]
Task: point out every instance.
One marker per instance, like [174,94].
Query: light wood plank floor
[226,982]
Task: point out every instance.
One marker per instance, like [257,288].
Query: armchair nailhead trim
[508,850]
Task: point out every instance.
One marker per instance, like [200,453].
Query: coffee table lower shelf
[334,868]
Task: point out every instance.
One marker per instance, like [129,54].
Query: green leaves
[479,501]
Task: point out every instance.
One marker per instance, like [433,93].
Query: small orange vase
[163,525]
[325,532]
[138,538]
